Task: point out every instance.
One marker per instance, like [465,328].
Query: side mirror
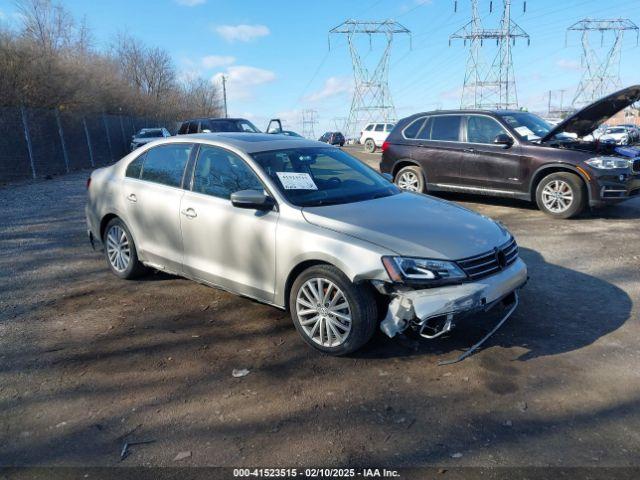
[275,126]
[388,176]
[252,199]
[503,139]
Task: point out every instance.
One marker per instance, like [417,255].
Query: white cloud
[242,33]
[213,61]
[568,64]
[241,79]
[190,3]
[332,87]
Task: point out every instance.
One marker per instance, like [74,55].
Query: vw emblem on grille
[501,258]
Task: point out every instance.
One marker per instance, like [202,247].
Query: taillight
[88,183]
[385,145]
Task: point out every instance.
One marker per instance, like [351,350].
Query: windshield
[527,125]
[149,133]
[310,177]
[616,130]
[247,126]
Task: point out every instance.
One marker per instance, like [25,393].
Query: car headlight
[422,270]
[608,163]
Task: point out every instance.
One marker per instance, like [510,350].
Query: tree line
[48,60]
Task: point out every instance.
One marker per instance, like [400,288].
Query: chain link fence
[38,142]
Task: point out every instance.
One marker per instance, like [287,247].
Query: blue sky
[277,58]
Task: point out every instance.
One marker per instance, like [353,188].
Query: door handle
[189,212]
[132,198]
[470,150]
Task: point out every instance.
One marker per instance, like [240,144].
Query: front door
[227,246]
[485,165]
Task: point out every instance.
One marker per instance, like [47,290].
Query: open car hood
[587,120]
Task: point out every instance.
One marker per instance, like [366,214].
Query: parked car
[302,226]
[333,138]
[147,135]
[213,125]
[617,135]
[373,135]
[515,154]
[634,132]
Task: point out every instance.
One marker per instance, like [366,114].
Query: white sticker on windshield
[296,181]
[525,132]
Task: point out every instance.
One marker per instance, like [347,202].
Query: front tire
[369,145]
[332,314]
[120,251]
[410,178]
[561,195]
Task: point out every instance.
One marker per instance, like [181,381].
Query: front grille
[490,262]
[635,166]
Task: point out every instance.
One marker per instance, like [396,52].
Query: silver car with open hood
[306,227]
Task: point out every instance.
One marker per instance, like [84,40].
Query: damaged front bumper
[432,311]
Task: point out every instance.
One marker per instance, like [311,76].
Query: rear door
[439,149]
[153,190]
[485,165]
[224,245]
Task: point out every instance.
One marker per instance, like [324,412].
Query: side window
[389,127]
[135,167]
[481,129]
[220,173]
[184,128]
[369,127]
[193,127]
[425,132]
[165,164]
[379,127]
[412,130]
[446,128]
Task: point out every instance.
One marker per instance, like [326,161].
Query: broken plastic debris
[182,456]
[242,372]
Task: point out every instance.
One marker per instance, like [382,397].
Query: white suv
[374,135]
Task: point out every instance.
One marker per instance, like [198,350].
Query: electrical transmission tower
[339,123]
[371,96]
[493,87]
[601,73]
[309,121]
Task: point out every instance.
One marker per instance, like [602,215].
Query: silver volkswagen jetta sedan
[302,226]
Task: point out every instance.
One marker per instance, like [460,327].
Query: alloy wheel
[557,196]
[409,181]
[118,249]
[323,312]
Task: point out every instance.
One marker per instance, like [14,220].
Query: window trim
[249,166]
[505,128]
[425,117]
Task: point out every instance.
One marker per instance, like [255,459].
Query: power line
[371,96]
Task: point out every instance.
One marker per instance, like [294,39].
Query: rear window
[446,128]
[412,130]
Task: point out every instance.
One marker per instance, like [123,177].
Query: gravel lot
[87,360]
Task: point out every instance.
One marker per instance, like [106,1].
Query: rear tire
[561,195]
[411,178]
[332,314]
[369,145]
[120,251]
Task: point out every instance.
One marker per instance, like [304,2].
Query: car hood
[587,120]
[414,225]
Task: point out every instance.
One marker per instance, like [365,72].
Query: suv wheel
[561,195]
[369,145]
[331,313]
[120,251]
[410,178]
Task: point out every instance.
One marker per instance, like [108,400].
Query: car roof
[214,119]
[252,142]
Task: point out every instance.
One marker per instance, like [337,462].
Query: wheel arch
[295,273]
[545,170]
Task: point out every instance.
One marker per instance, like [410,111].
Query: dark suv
[333,138]
[516,154]
[213,125]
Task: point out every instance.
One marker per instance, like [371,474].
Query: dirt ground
[88,361]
